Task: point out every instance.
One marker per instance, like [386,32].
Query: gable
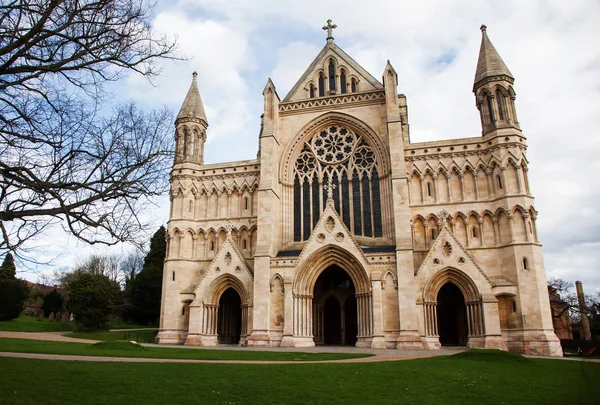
[456,256]
[320,65]
[229,260]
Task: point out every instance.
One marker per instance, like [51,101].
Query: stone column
[378,337]
[288,319]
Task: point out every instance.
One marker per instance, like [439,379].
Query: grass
[462,379]
[141,336]
[31,324]
[85,349]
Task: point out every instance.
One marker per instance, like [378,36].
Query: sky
[551,47]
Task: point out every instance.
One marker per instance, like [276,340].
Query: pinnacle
[192,107]
[490,63]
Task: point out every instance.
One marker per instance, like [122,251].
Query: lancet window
[338,154]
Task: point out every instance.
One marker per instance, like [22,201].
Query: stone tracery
[338,155]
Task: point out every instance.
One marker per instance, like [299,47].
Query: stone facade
[343,231]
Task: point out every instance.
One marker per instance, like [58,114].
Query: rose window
[364,157]
[305,163]
[334,144]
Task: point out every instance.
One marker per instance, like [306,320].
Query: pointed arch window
[525,264]
[353,86]
[343,82]
[331,76]
[338,154]
[500,105]
[474,232]
[321,85]
[186,142]
[491,109]
[311,91]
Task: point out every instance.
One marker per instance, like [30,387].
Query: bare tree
[65,158]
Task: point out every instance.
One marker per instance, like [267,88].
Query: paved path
[43,356]
[51,336]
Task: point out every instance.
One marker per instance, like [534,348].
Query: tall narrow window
[212,246]
[429,189]
[244,245]
[499,181]
[353,86]
[343,82]
[474,232]
[321,85]
[525,264]
[376,204]
[173,276]
[183,310]
[500,106]
[186,142]
[316,209]
[311,90]
[306,205]
[297,211]
[331,76]
[245,203]
[432,234]
[490,109]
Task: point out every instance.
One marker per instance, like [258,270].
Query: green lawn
[449,380]
[31,324]
[140,336]
[85,349]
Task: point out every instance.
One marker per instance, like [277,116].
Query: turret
[190,127]
[494,94]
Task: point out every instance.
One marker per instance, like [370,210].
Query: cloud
[550,47]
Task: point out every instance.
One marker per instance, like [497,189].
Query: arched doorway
[334,295]
[452,316]
[229,323]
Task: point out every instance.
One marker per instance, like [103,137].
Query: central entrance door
[452,316]
[334,302]
[229,324]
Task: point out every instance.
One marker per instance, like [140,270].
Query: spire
[490,64]
[192,108]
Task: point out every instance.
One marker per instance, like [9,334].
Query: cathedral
[343,231]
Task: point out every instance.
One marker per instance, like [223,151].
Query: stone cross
[229,227]
[329,187]
[329,27]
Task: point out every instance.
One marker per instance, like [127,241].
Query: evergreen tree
[145,289]
[8,269]
[13,292]
[53,302]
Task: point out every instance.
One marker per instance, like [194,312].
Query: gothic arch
[286,168]
[460,279]
[222,283]
[318,261]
